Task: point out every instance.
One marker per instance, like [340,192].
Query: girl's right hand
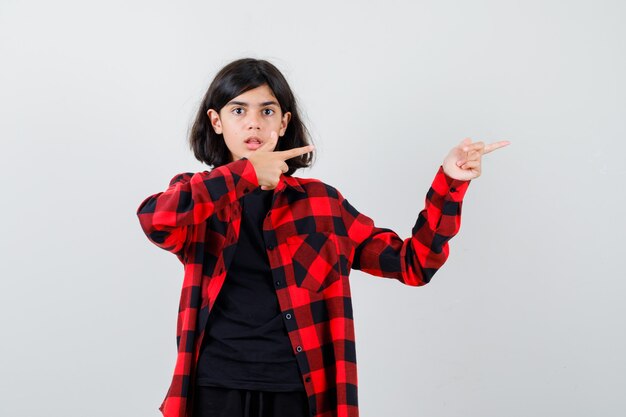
[269,164]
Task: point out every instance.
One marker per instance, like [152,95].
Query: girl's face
[247,120]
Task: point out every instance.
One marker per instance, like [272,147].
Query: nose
[253,121]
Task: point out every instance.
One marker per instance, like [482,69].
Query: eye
[268,110]
[236,110]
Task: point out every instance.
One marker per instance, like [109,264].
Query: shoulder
[181,177]
[236,168]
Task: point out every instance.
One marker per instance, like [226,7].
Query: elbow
[169,240]
[421,263]
[418,278]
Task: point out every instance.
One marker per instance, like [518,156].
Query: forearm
[413,261]
[191,198]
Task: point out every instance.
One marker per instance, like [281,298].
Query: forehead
[259,96]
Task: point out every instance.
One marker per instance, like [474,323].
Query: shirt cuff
[448,187]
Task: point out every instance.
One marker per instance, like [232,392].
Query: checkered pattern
[314,237]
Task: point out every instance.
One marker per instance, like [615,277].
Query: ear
[284,122]
[214,117]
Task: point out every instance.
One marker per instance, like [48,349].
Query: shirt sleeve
[414,260]
[190,199]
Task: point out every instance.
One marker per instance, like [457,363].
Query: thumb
[465,142]
[267,146]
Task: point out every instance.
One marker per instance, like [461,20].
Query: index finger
[496,145]
[292,153]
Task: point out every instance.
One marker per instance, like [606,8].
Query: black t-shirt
[245,344]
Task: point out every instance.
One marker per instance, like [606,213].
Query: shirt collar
[289,181]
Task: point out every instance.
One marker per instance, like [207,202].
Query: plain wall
[527,316]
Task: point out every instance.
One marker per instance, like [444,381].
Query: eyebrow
[244,104]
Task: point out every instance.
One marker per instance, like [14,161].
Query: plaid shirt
[314,237]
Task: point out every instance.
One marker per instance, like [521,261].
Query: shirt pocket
[315,259]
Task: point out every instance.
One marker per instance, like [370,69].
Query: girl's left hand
[463,161]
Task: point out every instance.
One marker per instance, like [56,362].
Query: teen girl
[265,325]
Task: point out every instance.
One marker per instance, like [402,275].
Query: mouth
[254,139]
[253,143]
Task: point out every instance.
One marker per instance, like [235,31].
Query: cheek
[229,131]
[229,138]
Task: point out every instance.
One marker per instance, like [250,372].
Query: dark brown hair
[234,79]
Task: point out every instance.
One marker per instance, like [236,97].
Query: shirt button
[307,379]
[299,349]
[288,316]
[277,283]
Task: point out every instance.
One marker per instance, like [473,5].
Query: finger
[266,146]
[465,142]
[476,146]
[292,153]
[473,155]
[470,164]
[496,145]
[284,167]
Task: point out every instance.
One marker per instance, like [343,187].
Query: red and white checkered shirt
[313,237]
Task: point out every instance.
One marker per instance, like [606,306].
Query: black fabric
[246,345]
[229,402]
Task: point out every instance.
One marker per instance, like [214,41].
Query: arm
[412,261]
[190,199]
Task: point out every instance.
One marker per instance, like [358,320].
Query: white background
[527,317]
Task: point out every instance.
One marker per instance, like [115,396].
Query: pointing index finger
[292,153]
[496,145]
